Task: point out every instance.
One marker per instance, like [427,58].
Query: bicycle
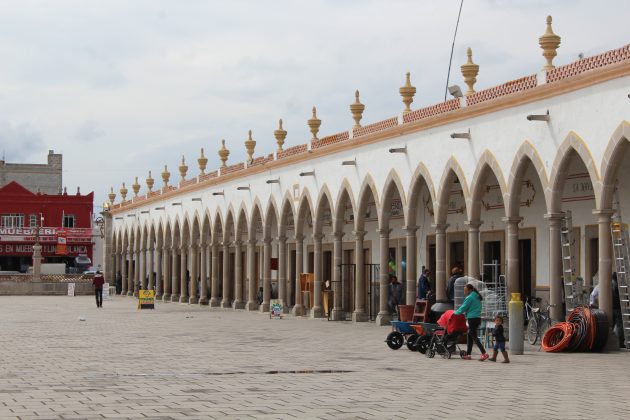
[538,321]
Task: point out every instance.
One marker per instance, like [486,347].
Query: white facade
[438,203]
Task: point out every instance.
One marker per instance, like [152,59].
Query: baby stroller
[444,339]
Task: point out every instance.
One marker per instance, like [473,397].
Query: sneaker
[483,357]
[467,357]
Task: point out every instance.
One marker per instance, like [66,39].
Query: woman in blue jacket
[472,308]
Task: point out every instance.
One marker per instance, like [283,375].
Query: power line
[448,75]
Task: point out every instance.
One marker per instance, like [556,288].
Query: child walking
[499,340]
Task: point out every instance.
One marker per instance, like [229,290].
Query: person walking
[424,287]
[395,295]
[118,283]
[98,282]
[472,308]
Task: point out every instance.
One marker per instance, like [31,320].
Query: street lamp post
[37,254]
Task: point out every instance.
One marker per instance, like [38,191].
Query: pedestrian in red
[98,282]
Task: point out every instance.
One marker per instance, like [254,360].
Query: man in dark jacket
[98,282]
[424,287]
[450,288]
[617,321]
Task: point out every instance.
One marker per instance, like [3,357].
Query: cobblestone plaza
[188,361]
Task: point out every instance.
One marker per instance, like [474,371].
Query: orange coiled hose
[558,337]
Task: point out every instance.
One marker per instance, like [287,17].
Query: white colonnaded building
[482,182]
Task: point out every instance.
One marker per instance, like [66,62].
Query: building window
[32,220]
[68,220]
[12,220]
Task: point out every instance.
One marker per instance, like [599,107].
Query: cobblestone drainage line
[268,372]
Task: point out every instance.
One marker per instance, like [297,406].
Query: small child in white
[499,340]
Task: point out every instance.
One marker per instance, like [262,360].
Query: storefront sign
[146,299]
[22,249]
[46,234]
[62,248]
[275,309]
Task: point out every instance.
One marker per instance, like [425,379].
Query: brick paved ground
[183,361]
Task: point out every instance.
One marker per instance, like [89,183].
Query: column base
[238,304]
[383,318]
[174,298]
[317,312]
[129,293]
[214,302]
[135,293]
[251,306]
[298,310]
[337,315]
[226,304]
[166,297]
[264,307]
[613,342]
[158,297]
[193,300]
[359,316]
[183,299]
[285,308]
[203,301]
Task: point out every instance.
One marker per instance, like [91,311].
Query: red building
[59,215]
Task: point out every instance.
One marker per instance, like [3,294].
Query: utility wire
[448,75]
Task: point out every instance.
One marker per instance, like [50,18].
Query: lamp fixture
[176,204]
[398,150]
[464,135]
[273,181]
[455,91]
[307,173]
[159,208]
[352,162]
[218,192]
[131,215]
[119,218]
[538,117]
[144,212]
[195,199]
[243,188]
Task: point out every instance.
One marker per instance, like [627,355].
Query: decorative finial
[470,71]
[202,161]
[150,182]
[314,124]
[357,110]
[183,169]
[111,195]
[223,154]
[280,134]
[78,190]
[407,92]
[135,187]
[549,42]
[123,192]
[166,175]
[250,144]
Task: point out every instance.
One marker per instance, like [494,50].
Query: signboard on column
[62,244]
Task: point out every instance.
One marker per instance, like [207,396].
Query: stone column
[225,301]
[282,272]
[150,263]
[37,262]
[473,248]
[183,281]
[440,261]
[214,291]
[298,308]
[252,305]
[359,314]
[166,261]
[193,253]
[143,268]
[411,243]
[266,275]
[337,305]
[317,311]
[159,263]
[203,293]
[606,269]
[383,316]
[512,260]
[555,265]
[136,273]
[174,275]
[239,303]
[130,273]
[123,269]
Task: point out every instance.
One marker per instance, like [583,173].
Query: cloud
[89,131]
[19,142]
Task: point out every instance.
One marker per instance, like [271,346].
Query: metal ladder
[572,296]
[622,262]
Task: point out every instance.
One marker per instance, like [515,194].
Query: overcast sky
[121,87]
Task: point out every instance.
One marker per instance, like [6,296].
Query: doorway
[491,261]
[525,266]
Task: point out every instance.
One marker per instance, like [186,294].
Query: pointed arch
[572,144]
[392,183]
[217,226]
[242,221]
[256,213]
[305,205]
[617,147]
[287,210]
[367,187]
[525,155]
[452,171]
[420,178]
[271,214]
[345,190]
[487,164]
[323,198]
